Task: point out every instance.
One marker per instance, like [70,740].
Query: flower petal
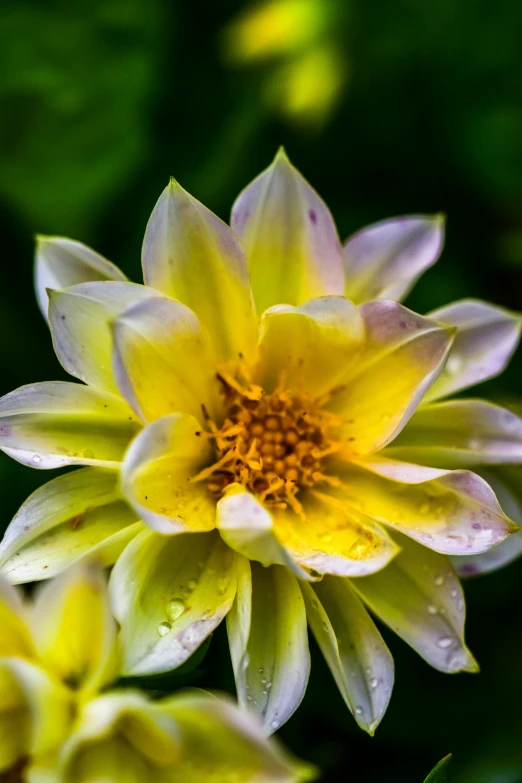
[157,472]
[78,514]
[222,743]
[62,262]
[289,237]
[73,628]
[354,649]
[163,359]
[403,355]
[48,425]
[506,482]
[384,260]
[311,346]
[80,318]
[168,594]
[248,528]
[15,637]
[191,255]
[486,338]
[456,513]
[269,644]
[460,433]
[419,596]
[331,537]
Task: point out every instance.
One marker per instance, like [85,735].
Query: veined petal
[331,537]
[191,255]
[268,637]
[419,596]
[73,628]
[384,260]
[157,472]
[248,528]
[15,637]
[354,649]
[222,743]
[49,425]
[62,262]
[403,355]
[310,347]
[506,481]
[485,340]
[80,318]
[289,237]
[460,433]
[78,514]
[163,359]
[168,594]
[456,513]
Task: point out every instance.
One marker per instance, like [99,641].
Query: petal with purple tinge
[62,262]
[48,425]
[459,433]
[269,644]
[158,472]
[76,515]
[163,359]
[80,318]
[419,596]
[456,513]
[384,260]
[289,238]
[485,340]
[354,649]
[191,255]
[403,355]
[169,593]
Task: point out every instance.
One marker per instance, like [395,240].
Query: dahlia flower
[56,726]
[256,429]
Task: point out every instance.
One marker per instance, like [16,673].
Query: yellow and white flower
[242,422]
[58,654]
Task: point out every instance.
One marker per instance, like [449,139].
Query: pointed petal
[310,346]
[62,262]
[74,515]
[157,472]
[289,237]
[506,482]
[48,425]
[440,773]
[15,637]
[460,433]
[456,513]
[486,338]
[224,744]
[384,260]
[169,593]
[80,318]
[163,359]
[403,355]
[191,255]
[248,528]
[272,669]
[331,537]
[74,630]
[419,596]
[354,649]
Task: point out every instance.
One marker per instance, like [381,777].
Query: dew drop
[175,609]
[164,628]
[274,724]
[439,580]
[444,642]
[37,459]
[454,593]
[358,710]
[432,609]
[374,682]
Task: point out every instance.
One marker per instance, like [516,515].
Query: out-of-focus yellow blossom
[57,653]
[245,424]
[309,71]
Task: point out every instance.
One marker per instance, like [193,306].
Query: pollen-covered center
[273,444]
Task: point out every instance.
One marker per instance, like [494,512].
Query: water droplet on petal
[444,642]
[175,609]
[164,628]
[454,592]
[439,580]
[358,710]
[37,459]
[432,609]
[374,682]
[274,724]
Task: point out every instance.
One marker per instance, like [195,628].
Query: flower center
[274,444]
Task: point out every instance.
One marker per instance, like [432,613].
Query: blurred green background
[387,108]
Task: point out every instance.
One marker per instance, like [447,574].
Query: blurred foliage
[100,102]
